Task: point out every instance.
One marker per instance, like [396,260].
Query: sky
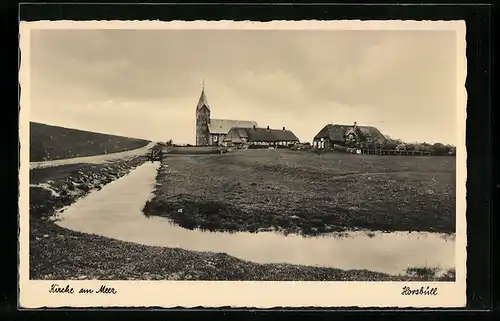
[146,83]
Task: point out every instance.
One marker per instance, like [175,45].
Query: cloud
[92,78]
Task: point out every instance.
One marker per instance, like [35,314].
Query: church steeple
[202,120]
[203,98]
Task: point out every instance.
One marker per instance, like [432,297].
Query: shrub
[439,149]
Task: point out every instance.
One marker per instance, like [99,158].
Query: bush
[390,145]
[437,149]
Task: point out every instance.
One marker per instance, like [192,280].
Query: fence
[394,152]
[379,151]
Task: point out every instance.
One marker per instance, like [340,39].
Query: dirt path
[97,159]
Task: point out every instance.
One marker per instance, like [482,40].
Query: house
[257,136]
[346,135]
[212,131]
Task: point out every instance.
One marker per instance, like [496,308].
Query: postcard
[242,164]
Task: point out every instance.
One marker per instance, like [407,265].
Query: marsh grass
[306,194]
[426,273]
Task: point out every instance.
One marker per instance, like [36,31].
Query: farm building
[242,137]
[212,131]
[219,128]
[346,135]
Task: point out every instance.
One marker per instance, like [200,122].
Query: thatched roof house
[340,134]
[260,136]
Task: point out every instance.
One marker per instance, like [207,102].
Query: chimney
[267,127]
[283,128]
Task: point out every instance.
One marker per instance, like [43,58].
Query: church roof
[222,126]
[262,135]
[337,132]
[202,101]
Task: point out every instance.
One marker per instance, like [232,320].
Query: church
[210,131]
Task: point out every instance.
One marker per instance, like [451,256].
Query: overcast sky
[146,83]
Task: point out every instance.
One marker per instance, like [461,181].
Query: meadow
[306,193]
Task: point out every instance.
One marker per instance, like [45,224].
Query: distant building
[213,131]
[238,136]
[219,128]
[333,134]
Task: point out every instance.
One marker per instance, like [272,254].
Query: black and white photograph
[188,154]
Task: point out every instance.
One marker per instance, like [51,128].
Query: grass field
[52,142]
[305,193]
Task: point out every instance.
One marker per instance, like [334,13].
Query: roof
[261,135]
[336,132]
[202,101]
[222,126]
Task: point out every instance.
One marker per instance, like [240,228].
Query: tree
[418,147]
[439,149]
[380,143]
[390,145]
[401,146]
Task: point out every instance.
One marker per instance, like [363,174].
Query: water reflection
[116,212]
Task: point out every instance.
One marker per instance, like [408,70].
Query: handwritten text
[58,289]
[422,291]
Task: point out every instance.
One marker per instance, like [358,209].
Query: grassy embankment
[305,193]
[52,142]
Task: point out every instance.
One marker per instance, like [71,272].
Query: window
[215,138]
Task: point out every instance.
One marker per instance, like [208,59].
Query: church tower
[202,120]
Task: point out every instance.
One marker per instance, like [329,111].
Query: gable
[337,132]
[223,126]
[203,110]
